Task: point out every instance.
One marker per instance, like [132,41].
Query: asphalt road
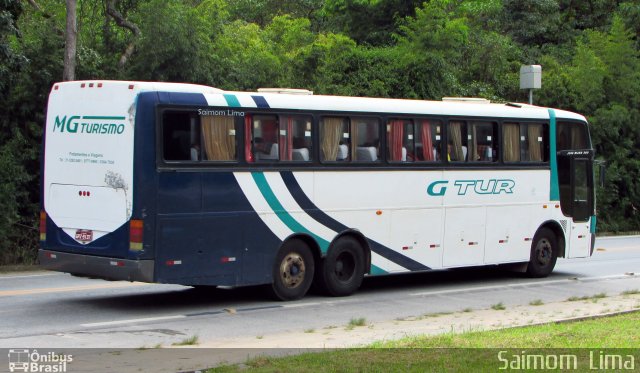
[56,310]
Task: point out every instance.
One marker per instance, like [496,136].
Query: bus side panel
[256,244]
[208,234]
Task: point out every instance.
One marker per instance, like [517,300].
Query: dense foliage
[589,51]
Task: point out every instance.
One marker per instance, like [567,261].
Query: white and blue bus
[192,185]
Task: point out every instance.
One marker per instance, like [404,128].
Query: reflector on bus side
[135,235]
[43,225]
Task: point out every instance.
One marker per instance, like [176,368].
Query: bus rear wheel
[342,270]
[544,253]
[293,271]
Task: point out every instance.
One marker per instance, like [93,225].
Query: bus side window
[525,142]
[180,136]
[428,140]
[265,138]
[334,139]
[295,139]
[457,144]
[572,136]
[400,140]
[218,138]
[534,139]
[365,139]
[481,142]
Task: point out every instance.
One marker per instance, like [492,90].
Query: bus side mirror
[602,172]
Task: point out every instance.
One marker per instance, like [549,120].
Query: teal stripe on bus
[375,270]
[282,214]
[93,117]
[594,221]
[554,187]
[232,100]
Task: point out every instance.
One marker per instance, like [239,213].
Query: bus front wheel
[544,253]
[292,271]
[342,270]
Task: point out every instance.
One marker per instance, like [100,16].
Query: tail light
[135,235]
[43,226]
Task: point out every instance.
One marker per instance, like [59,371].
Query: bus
[192,185]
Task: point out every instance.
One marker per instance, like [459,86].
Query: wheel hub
[345,266]
[292,270]
[544,252]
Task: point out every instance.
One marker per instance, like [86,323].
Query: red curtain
[396,137]
[286,142]
[248,155]
[427,143]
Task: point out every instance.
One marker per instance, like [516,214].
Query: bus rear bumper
[96,266]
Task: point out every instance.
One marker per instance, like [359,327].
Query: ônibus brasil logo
[25,360]
[491,186]
[99,125]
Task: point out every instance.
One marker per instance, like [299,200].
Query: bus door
[577,197]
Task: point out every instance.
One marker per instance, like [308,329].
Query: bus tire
[292,271]
[544,253]
[342,270]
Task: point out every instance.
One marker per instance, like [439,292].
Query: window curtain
[535,147]
[355,133]
[427,141]
[511,142]
[455,134]
[396,137]
[218,137]
[286,141]
[248,154]
[576,138]
[331,132]
[472,152]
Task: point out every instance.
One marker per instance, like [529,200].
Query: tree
[71,32]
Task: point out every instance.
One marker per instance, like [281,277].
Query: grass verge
[441,353]
[19,268]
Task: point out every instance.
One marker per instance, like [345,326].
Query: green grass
[361,321]
[421,354]
[593,298]
[6,269]
[193,340]
[631,292]
[536,302]
[498,307]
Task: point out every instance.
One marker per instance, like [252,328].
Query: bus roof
[290,101]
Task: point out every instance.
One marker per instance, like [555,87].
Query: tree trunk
[70,43]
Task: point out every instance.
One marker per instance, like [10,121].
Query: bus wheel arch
[555,227]
[293,269]
[342,270]
[546,247]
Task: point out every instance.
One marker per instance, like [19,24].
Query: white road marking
[11,277]
[132,321]
[522,284]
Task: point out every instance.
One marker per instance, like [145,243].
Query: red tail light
[135,235]
[43,226]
